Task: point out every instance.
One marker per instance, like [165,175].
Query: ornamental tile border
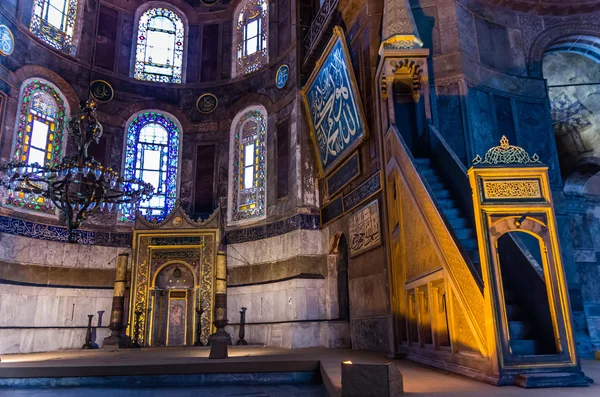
[24,228]
[296,222]
[20,227]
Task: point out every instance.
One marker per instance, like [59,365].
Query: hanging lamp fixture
[79,185]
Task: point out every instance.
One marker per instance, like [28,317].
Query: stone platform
[251,360]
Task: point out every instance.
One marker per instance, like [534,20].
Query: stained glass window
[39,137]
[251,36]
[159,52]
[249,166]
[152,154]
[54,22]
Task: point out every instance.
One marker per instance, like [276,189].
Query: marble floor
[419,380]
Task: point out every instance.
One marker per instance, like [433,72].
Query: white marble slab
[297,299]
[285,246]
[26,306]
[52,253]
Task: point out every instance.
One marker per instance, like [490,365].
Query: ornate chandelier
[80,185]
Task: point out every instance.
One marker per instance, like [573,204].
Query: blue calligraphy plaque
[281,78]
[336,116]
[7,41]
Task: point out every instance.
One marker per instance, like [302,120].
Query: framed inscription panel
[343,175]
[364,229]
[335,113]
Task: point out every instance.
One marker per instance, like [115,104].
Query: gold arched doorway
[173,272]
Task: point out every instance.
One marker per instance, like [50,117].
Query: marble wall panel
[371,334]
[40,252]
[299,242]
[296,299]
[330,334]
[368,296]
[31,340]
[26,306]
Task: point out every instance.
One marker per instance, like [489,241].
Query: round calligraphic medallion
[177,221]
[281,78]
[207,103]
[209,3]
[102,91]
[7,41]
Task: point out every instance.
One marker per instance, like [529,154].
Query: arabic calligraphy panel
[102,91]
[332,101]
[364,229]
[207,103]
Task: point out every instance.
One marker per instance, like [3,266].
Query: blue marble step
[523,347]
[448,206]
[441,193]
[423,161]
[518,329]
[474,255]
[469,244]
[426,172]
[457,222]
[446,203]
[451,213]
[436,186]
[463,233]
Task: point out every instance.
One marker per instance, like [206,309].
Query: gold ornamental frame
[338,34]
[143,277]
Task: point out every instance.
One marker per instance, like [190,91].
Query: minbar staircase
[458,222]
[520,328]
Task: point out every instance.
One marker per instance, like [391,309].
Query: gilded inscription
[512,189]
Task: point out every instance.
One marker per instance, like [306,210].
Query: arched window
[250,39]
[159,52]
[152,154]
[39,136]
[54,22]
[248,165]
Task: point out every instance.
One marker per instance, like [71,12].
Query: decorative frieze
[20,227]
[296,222]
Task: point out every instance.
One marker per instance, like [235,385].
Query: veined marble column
[118,304]
[221,287]
[220,339]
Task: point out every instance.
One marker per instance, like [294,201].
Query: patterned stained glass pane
[249,166]
[54,22]
[159,52]
[251,36]
[39,137]
[152,154]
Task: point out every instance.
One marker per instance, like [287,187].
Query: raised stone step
[434,179]
[451,213]
[424,161]
[436,186]
[469,244]
[463,233]
[518,329]
[441,193]
[523,347]
[427,172]
[447,203]
[458,222]
[552,379]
